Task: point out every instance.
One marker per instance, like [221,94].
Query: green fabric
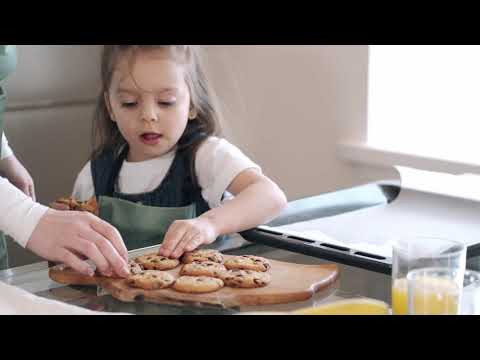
[3,252]
[3,243]
[8,62]
[141,226]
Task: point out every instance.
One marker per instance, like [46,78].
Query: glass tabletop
[352,282]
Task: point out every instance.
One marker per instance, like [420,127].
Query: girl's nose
[149,114]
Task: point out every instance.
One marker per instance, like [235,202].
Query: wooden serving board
[290,283]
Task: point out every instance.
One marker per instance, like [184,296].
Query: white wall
[287,106]
[54,72]
[53,144]
[52,140]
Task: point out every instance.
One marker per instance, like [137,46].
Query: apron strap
[3,243]
[105,170]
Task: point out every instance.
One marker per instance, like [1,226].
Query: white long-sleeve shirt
[16,301]
[6,150]
[19,214]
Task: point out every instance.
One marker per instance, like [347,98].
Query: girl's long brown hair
[105,133]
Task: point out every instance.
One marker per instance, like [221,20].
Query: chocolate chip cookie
[90,205]
[197,284]
[202,255]
[207,268]
[151,280]
[245,279]
[248,262]
[135,268]
[156,262]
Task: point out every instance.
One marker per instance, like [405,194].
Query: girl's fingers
[194,243]
[179,249]
[173,236]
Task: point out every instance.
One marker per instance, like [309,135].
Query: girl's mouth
[151,138]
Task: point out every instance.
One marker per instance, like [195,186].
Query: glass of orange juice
[470,304]
[418,252]
[434,291]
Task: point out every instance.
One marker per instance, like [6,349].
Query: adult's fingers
[91,251]
[74,262]
[111,234]
[25,188]
[78,254]
[108,251]
[32,192]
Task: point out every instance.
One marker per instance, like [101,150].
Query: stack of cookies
[203,271]
[76,205]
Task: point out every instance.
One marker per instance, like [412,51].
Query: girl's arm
[257,201]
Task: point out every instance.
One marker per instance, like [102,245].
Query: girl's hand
[16,173]
[187,235]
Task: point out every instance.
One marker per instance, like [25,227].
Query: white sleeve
[6,150]
[83,189]
[16,301]
[19,214]
[217,163]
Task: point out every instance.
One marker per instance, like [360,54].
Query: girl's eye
[129,104]
[166,103]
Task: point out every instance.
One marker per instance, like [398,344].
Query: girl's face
[150,102]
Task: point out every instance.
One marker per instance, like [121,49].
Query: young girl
[158,171]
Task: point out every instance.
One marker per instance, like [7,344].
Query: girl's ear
[109,107]
[192,115]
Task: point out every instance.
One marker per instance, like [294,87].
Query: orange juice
[356,306]
[435,296]
[400,297]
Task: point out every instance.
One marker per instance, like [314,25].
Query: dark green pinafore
[143,219]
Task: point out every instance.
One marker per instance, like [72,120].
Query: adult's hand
[66,236]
